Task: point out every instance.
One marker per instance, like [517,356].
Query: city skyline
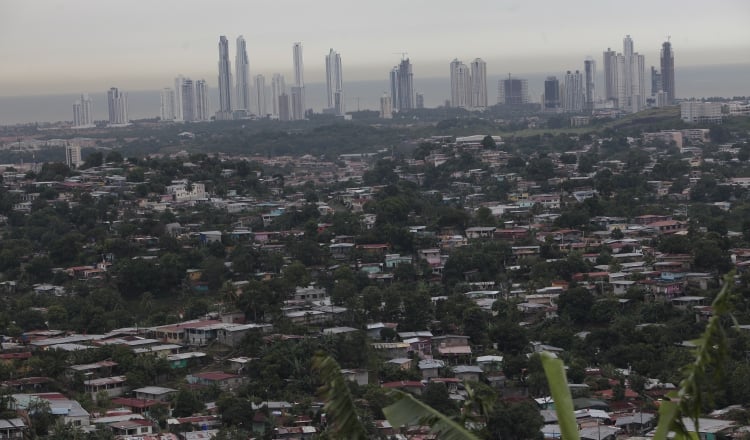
[192,49]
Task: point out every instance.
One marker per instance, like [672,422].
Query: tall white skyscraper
[117,104]
[625,77]
[460,85]
[188,101]
[298,91]
[83,112]
[278,87]
[242,77]
[225,81]
[178,97]
[478,83]
[335,83]
[201,101]
[260,96]
[573,93]
[167,104]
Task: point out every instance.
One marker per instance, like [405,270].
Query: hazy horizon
[86,45]
[700,81]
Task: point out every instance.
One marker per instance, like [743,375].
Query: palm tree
[405,411]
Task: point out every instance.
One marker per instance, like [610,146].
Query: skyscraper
[298,91]
[242,76]
[335,83]
[656,84]
[386,107]
[460,84]
[201,101]
[278,86]
[284,112]
[573,92]
[402,86]
[178,97]
[551,100]
[260,96]
[393,77]
[225,81]
[589,71]
[634,77]
[611,74]
[167,104]
[117,104]
[83,112]
[188,100]
[478,83]
[667,71]
[625,83]
[513,91]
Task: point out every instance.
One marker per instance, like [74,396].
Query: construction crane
[403,54]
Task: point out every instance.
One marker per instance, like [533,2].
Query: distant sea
[696,81]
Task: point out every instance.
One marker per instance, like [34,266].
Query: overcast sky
[80,45]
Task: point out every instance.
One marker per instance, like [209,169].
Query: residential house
[225,381]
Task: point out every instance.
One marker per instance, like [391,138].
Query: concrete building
[667,71]
[73,156]
[117,103]
[298,91]
[225,81]
[166,109]
[242,77]
[700,112]
[386,107]
[334,83]
[83,112]
[460,84]
[478,84]
[512,91]
[573,93]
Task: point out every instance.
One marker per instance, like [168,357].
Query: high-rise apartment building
[201,101]
[278,86]
[117,104]
[298,91]
[225,81]
[402,86]
[83,112]
[667,71]
[478,83]
[419,100]
[386,107]
[260,96]
[242,77]
[513,91]
[612,91]
[589,73]
[551,97]
[460,84]
[335,83]
[188,100]
[285,113]
[656,81]
[178,97]
[73,156]
[624,73]
[167,111]
[573,92]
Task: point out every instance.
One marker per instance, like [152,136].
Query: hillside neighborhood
[183,294]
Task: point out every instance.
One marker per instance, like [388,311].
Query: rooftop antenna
[403,54]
